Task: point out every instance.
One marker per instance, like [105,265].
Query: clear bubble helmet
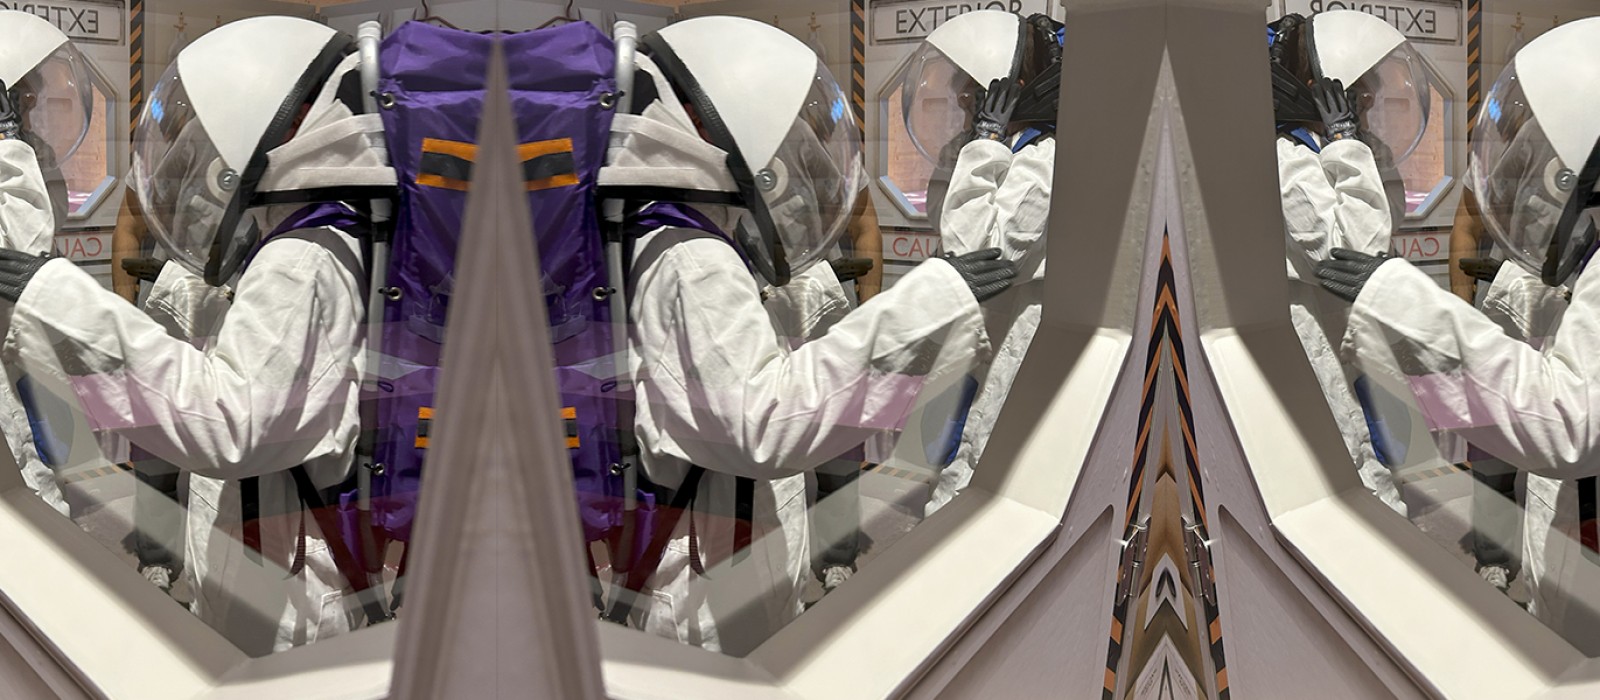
[49,82]
[1535,163]
[793,145]
[1385,76]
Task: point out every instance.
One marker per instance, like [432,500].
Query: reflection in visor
[815,176]
[55,100]
[939,100]
[1392,99]
[180,179]
[1522,186]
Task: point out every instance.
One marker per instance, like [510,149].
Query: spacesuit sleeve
[26,221]
[1536,410]
[1334,199]
[1523,305]
[718,387]
[998,199]
[277,389]
[184,304]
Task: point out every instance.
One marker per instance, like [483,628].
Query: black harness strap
[744,498]
[343,557]
[250,513]
[639,575]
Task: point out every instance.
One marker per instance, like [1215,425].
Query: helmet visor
[182,183]
[810,187]
[54,101]
[939,99]
[1392,99]
[1521,183]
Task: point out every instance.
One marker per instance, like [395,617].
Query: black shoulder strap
[250,514]
[1589,517]
[744,497]
[343,557]
[639,575]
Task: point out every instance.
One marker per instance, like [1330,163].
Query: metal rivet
[386,100]
[1566,180]
[617,469]
[377,469]
[227,180]
[608,100]
[602,293]
[767,180]
[393,293]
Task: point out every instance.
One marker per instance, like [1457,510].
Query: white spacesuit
[278,385]
[998,195]
[1334,197]
[1534,170]
[44,79]
[719,385]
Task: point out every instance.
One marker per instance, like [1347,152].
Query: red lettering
[901,247]
[1434,242]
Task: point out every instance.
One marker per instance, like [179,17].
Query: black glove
[850,269]
[1482,268]
[984,272]
[16,270]
[1338,118]
[994,114]
[1347,273]
[145,269]
[10,121]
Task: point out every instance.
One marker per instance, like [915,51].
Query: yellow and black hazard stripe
[545,164]
[1424,474]
[858,63]
[1119,614]
[1474,61]
[135,65]
[920,477]
[79,477]
[1166,340]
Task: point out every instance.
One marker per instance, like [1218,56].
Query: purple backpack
[431,91]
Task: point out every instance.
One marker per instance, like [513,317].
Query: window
[251,548]
[906,170]
[1454,508]
[91,172]
[1431,170]
[783,457]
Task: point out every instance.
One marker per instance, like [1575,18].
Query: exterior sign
[911,20]
[1424,20]
[81,20]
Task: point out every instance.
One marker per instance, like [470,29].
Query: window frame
[174,652]
[1452,106]
[872,638]
[1416,599]
[880,142]
[114,141]
[877,636]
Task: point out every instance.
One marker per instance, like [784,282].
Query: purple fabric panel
[436,77]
